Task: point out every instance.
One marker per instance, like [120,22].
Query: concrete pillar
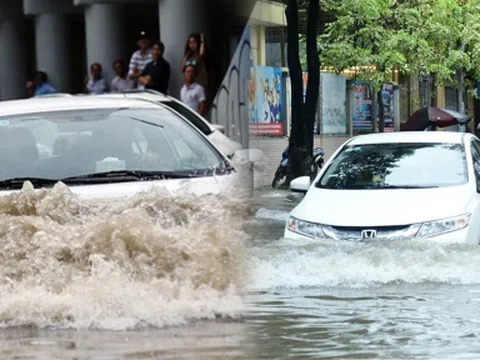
[178,19]
[52,49]
[12,59]
[105,36]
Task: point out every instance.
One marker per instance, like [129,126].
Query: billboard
[388,106]
[361,94]
[265,105]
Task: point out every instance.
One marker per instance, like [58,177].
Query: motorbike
[281,173]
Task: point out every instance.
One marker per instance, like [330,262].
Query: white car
[214,132]
[397,186]
[104,147]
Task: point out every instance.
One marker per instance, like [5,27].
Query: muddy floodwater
[165,276]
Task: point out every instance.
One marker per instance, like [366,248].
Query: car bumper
[455,237]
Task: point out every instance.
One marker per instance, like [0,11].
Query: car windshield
[396,165]
[63,144]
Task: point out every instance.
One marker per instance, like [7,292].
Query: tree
[300,145]
[374,37]
[437,38]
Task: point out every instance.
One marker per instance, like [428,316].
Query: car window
[373,166]
[190,115]
[70,143]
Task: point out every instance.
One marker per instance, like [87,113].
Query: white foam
[158,259]
[268,214]
[307,264]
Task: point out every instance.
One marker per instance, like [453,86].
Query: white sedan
[397,186]
[104,147]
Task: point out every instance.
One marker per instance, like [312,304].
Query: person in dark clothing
[156,74]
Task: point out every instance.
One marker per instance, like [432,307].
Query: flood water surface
[360,301]
[165,276]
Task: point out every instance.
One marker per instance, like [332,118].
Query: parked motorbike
[281,173]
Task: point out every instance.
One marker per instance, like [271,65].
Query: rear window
[397,165]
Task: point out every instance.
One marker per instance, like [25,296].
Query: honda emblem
[368,234]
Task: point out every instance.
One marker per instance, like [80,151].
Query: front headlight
[440,227]
[305,228]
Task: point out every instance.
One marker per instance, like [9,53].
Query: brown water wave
[153,260]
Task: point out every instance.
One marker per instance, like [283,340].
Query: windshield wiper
[407,187]
[132,175]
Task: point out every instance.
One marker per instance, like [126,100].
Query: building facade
[63,37]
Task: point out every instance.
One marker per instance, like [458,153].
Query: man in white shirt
[96,82]
[192,94]
[121,82]
[140,58]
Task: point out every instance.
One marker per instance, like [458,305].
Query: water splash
[156,259]
[296,264]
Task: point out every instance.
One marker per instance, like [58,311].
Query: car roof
[411,137]
[145,95]
[50,104]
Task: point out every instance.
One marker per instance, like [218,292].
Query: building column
[178,19]
[105,36]
[52,49]
[12,60]
[12,51]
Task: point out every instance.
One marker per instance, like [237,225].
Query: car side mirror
[301,184]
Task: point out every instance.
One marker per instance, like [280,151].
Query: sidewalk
[273,148]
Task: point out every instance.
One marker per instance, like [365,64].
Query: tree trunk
[300,147]
[381,111]
[313,86]
[296,146]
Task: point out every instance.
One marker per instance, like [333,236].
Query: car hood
[382,207]
[224,144]
[197,186]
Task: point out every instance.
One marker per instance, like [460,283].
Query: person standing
[195,54]
[156,75]
[121,82]
[95,84]
[192,94]
[140,58]
[43,87]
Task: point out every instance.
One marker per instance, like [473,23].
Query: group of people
[148,69]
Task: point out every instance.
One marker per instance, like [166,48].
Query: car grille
[404,232]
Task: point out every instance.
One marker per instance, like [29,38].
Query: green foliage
[376,37]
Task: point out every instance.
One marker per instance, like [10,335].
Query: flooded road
[360,301]
[162,277]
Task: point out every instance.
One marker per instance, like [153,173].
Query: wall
[230,105]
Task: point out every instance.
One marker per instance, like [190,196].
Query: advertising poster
[388,105]
[361,106]
[265,101]
[305,83]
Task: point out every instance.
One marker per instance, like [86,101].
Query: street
[302,300]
